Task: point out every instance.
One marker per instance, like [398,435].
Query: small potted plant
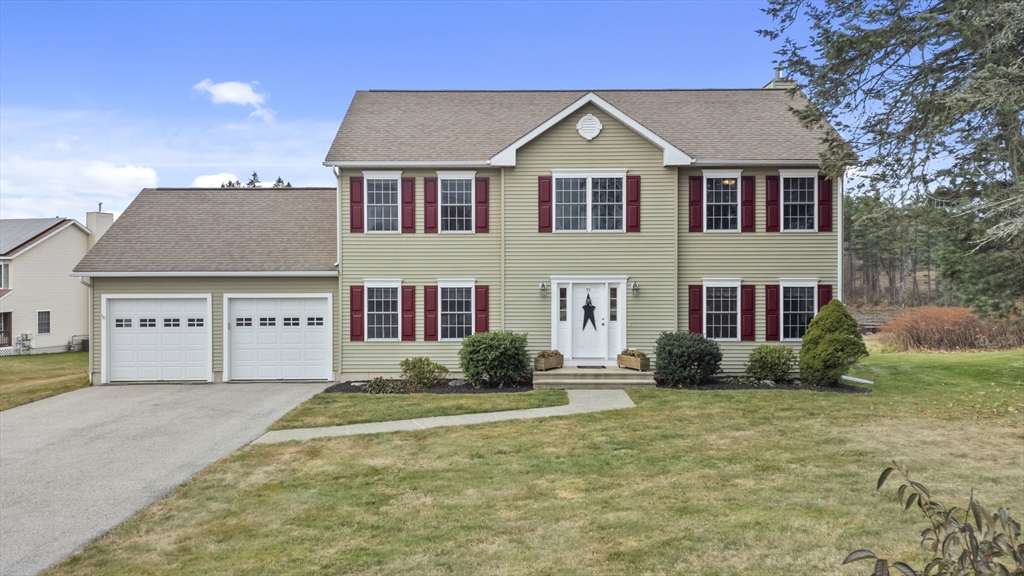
[547,360]
[634,360]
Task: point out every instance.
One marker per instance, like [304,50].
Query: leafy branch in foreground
[967,541]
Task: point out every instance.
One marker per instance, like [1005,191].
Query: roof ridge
[583,90]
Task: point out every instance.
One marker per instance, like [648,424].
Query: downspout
[338,322]
[92,342]
[504,309]
[842,198]
[678,251]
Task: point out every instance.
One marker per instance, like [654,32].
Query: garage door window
[146,322]
[291,321]
[172,322]
[315,321]
[243,322]
[122,323]
[195,322]
[268,321]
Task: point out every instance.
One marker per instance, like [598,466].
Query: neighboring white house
[38,298]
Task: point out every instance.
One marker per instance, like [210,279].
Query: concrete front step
[590,385]
[577,378]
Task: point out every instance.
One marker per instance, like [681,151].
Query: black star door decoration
[588,313]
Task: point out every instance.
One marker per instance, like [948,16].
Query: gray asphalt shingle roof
[14,232]
[221,230]
[395,126]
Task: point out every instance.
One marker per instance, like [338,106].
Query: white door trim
[567,282]
[226,331]
[105,349]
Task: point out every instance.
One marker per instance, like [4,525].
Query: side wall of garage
[216,287]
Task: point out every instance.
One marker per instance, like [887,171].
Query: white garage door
[158,339]
[279,339]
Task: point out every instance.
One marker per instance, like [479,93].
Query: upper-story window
[383,211]
[457,199]
[589,201]
[5,275]
[721,201]
[799,200]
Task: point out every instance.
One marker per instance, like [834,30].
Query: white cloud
[237,93]
[213,180]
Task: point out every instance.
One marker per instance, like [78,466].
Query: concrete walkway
[580,402]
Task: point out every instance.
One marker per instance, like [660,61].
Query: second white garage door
[279,339]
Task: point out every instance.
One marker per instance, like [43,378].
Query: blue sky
[100,99]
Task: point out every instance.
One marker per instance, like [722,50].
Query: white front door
[153,339]
[590,319]
[279,338]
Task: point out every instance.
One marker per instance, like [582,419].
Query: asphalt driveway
[74,466]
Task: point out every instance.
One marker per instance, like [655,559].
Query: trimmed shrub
[950,329]
[421,372]
[496,359]
[771,362]
[830,346]
[381,385]
[684,358]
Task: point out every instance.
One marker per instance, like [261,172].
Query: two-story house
[592,221]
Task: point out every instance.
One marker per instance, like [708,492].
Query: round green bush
[421,372]
[830,346]
[496,359]
[771,362]
[684,358]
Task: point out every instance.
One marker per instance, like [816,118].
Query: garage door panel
[197,339]
[280,343]
[149,339]
[268,338]
[291,338]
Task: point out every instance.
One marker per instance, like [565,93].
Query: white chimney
[98,223]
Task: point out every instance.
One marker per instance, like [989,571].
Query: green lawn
[25,379]
[744,482]
[341,409]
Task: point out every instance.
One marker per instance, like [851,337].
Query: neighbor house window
[455,319]
[589,201]
[382,201]
[721,201]
[382,310]
[799,303]
[5,275]
[456,200]
[43,322]
[721,310]
[799,205]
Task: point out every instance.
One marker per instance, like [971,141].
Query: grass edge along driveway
[718,482]
[31,377]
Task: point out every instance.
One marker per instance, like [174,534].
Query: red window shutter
[632,203]
[824,295]
[824,204]
[430,205]
[747,203]
[697,308]
[355,294]
[696,204]
[408,313]
[408,205]
[430,313]
[483,206]
[544,204]
[771,311]
[483,306]
[772,203]
[746,312]
[355,204]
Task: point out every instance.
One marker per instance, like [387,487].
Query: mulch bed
[351,386]
[726,383]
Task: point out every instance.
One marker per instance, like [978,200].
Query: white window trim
[720,283]
[737,174]
[794,283]
[589,174]
[783,174]
[380,283]
[5,266]
[381,175]
[457,283]
[49,320]
[460,175]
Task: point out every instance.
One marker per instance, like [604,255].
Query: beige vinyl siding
[418,260]
[216,287]
[758,258]
[39,280]
[647,257]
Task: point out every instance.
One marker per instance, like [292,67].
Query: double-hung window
[589,201]
[721,201]
[799,303]
[43,322]
[5,275]
[383,208]
[455,317]
[383,312]
[722,309]
[799,200]
[457,196]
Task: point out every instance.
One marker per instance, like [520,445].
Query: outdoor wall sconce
[544,289]
[636,288]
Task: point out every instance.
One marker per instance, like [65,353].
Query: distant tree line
[254,182]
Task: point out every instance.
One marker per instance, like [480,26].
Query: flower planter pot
[634,363]
[543,364]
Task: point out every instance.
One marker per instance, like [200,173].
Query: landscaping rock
[457,383]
